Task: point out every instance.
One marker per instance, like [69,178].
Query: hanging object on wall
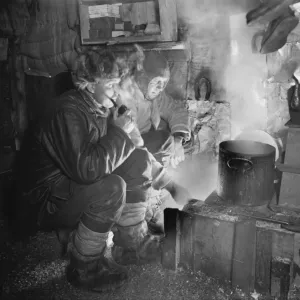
[275,37]
[281,22]
[256,41]
[277,33]
[202,85]
[268,11]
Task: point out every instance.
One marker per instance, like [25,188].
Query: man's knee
[110,191]
[117,183]
[117,187]
[106,207]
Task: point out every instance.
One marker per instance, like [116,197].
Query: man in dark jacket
[84,173]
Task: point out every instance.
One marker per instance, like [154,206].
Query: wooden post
[171,244]
[186,239]
[19,113]
[282,264]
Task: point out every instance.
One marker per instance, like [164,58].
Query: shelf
[149,46]
[292,125]
[288,168]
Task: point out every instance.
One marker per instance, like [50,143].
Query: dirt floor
[36,271]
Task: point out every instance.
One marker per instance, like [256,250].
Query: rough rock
[210,123]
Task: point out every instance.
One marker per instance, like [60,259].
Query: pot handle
[245,160]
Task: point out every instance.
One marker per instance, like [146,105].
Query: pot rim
[244,147]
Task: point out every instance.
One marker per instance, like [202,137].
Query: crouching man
[82,172]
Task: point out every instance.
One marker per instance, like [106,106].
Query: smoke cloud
[243,79]
[198,173]
[241,76]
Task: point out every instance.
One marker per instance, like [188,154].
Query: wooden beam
[150,46]
[124,40]
[101,2]
[168,20]
[84,22]
[169,257]
[186,239]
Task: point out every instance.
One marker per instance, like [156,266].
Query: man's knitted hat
[154,65]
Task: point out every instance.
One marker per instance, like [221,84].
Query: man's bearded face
[156,86]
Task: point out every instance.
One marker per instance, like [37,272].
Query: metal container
[246,172]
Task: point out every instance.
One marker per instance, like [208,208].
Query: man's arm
[176,114]
[72,145]
[162,180]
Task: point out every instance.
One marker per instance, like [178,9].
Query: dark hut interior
[234,71]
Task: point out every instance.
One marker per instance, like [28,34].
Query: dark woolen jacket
[72,138]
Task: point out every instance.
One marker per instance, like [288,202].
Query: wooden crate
[250,254]
[101,21]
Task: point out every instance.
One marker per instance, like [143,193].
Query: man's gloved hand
[124,121]
[178,155]
[180,194]
[191,203]
[136,137]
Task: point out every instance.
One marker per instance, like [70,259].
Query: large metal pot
[246,172]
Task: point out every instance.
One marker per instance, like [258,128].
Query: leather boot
[95,273]
[277,33]
[268,11]
[136,245]
[63,236]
